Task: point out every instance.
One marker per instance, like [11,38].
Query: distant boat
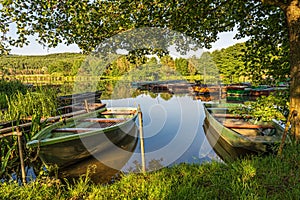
[93,97]
[238,89]
[209,89]
[260,90]
[75,139]
[239,136]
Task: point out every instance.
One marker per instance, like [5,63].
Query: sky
[226,40]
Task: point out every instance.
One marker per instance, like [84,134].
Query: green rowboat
[237,135]
[100,133]
[238,90]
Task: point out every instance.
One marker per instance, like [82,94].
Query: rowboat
[237,135]
[99,133]
[238,89]
[80,98]
[261,90]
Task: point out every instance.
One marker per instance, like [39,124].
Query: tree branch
[278,3]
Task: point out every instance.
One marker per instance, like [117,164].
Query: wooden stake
[220,93]
[287,126]
[142,139]
[86,106]
[21,156]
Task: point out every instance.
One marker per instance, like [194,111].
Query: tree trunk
[293,19]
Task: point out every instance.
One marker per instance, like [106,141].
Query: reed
[33,105]
[8,88]
[42,102]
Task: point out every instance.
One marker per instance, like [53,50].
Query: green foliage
[42,102]
[267,51]
[266,108]
[88,23]
[9,88]
[230,63]
[181,66]
[8,156]
[21,107]
[63,63]
[206,66]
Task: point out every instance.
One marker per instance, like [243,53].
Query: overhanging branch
[279,3]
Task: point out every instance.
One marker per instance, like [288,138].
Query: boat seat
[126,112]
[103,120]
[234,116]
[247,126]
[74,130]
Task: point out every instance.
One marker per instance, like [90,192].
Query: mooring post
[292,113]
[86,106]
[142,139]
[19,135]
[220,92]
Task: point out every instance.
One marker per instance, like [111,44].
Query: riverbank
[268,177]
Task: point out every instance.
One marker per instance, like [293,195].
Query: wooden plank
[246,126]
[235,116]
[104,120]
[10,134]
[217,108]
[51,119]
[74,130]
[108,112]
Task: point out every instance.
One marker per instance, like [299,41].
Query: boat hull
[221,147]
[234,142]
[73,151]
[102,167]
[73,148]
[238,91]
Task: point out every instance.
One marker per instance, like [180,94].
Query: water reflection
[173,131]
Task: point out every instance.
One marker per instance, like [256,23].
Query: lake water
[172,128]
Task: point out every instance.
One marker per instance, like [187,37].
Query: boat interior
[243,125]
[104,119]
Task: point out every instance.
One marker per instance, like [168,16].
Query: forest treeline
[226,64]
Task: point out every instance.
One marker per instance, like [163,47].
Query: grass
[21,106]
[42,102]
[8,88]
[269,177]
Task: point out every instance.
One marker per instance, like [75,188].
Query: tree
[181,66]
[230,62]
[207,68]
[272,25]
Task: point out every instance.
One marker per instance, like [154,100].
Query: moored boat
[200,89]
[238,89]
[93,97]
[238,133]
[97,133]
[261,90]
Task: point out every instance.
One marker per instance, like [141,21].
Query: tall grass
[8,88]
[33,105]
[42,103]
[269,177]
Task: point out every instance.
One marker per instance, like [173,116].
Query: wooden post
[287,126]
[142,139]
[86,106]
[220,93]
[19,135]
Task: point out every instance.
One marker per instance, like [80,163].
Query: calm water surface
[173,131]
